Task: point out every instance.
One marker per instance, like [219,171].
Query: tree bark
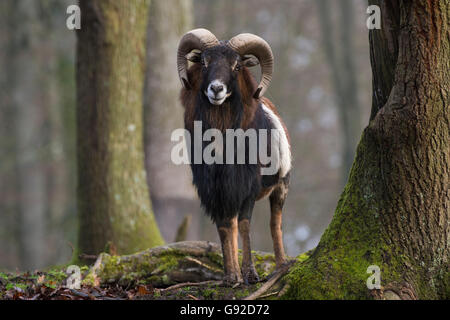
[394,211]
[113,199]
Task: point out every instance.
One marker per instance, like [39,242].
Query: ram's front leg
[228,233]
[249,273]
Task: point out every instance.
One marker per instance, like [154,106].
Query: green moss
[264,264]
[112,268]
[168,261]
[4,276]
[56,275]
[215,258]
[143,267]
[209,293]
[12,285]
[240,294]
[84,268]
[302,257]
[89,280]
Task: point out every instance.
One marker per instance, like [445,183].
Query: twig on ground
[84,256]
[203,264]
[265,287]
[237,284]
[269,294]
[190,284]
[81,294]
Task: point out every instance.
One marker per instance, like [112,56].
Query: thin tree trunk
[343,76]
[395,209]
[350,108]
[34,166]
[169,20]
[29,102]
[113,199]
[62,145]
[170,185]
[8,182]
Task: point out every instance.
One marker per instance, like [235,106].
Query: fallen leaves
[51,285]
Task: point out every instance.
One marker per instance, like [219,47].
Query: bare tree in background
[113,197]
[34,167]
[171,185]
[8,183]
[343,74]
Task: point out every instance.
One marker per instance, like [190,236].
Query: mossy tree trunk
[113,198]
[395,209]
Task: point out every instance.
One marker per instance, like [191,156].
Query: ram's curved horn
[247,43]
[200,39]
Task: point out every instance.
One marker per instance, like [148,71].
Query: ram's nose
[217,89]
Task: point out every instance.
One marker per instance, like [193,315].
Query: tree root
[191,284]
[186,263]
[270,283]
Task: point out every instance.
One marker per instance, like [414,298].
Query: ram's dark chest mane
[226,189]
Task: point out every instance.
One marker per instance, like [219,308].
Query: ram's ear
[249,61]
[194,56]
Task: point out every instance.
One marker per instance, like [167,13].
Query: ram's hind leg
[228,233]
[249,273]
[277,198]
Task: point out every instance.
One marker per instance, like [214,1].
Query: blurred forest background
[321,86]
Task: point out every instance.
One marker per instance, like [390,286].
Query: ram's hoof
[250,275]
[232,279]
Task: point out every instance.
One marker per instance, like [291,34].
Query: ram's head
[222,61]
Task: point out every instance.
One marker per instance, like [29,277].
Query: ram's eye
[205,61]
[237,67]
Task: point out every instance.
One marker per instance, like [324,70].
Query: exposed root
[191,284]
[269,284]
[188,262]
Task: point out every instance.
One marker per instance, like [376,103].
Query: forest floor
[51,285]
[189,270]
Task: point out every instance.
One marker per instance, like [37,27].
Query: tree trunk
[395,209]
[34,166]
[343,76]
[9,237]
[113,199]
[27,101]
[170,185]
